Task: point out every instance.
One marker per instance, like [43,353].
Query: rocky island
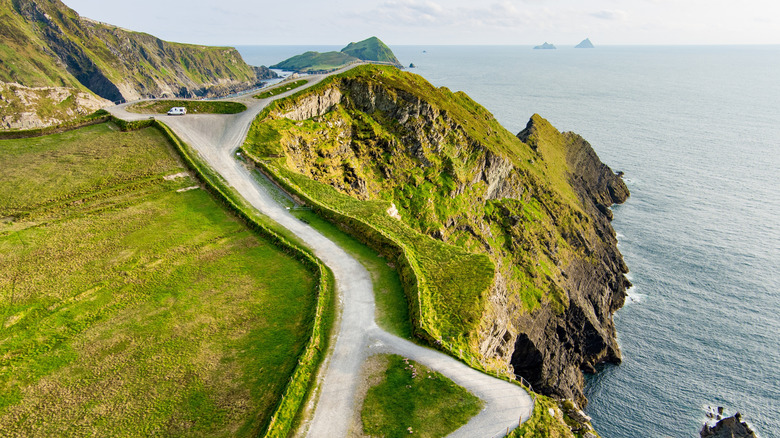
[545,46]
[371,49]
[584,44]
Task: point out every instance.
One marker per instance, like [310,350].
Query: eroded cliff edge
[536,205]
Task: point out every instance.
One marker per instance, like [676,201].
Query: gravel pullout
[216,137]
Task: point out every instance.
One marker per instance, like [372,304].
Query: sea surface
[696,129]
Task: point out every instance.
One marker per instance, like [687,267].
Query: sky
[434,22]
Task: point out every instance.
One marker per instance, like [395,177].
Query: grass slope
[281,88]
[193,106]
[315,61]
[129,308]
[413,400]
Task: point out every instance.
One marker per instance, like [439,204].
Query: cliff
[45,44]
[510,234]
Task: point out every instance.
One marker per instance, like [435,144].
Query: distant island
[371,49]
[545,46]
[585,44]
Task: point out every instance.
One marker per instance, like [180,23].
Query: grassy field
[193,106]
[132,307]
[410,399]
[283,88]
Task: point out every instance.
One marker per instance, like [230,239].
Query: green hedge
[299,387]
[99,116]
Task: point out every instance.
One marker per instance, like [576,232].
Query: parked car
[177,111]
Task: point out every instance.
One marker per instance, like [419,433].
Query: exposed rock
[731,427]
[33,107]
[412,65]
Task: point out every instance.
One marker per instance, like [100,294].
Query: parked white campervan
[177,111]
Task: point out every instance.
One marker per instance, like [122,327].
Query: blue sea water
[697,132]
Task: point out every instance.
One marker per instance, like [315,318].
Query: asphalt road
[216,138]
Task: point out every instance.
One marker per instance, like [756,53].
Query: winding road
[216,138]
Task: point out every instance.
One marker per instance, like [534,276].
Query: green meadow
[131,302]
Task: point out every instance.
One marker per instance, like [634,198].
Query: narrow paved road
[216,137]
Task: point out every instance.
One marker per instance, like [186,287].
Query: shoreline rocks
[729,427]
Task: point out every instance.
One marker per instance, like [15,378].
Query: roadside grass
[281,88]
[130,309]
[392,309]
[413,400]
[193,106]
[542,424]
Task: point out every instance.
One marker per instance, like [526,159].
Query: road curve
[216,137]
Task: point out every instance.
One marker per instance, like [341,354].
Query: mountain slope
[509,235]
[46,44]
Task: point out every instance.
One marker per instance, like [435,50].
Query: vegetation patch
[193,106]
[281,88]
[547,421]
[132,309]
[413,400]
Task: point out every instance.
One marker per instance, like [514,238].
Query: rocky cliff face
[536,204]
[49,45]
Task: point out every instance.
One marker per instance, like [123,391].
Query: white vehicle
[177,111]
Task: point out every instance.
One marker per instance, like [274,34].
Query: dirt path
[216,137]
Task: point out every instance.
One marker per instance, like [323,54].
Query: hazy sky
[562,22]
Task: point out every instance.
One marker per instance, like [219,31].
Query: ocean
[696,129]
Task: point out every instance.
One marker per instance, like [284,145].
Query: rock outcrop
[730,427]
[537,204]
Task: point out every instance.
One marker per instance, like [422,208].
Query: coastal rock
[730,427]
[545,46]
[556,347]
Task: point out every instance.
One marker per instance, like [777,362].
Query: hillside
[503,242]
[310,62]
[50,52]
[371,49]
